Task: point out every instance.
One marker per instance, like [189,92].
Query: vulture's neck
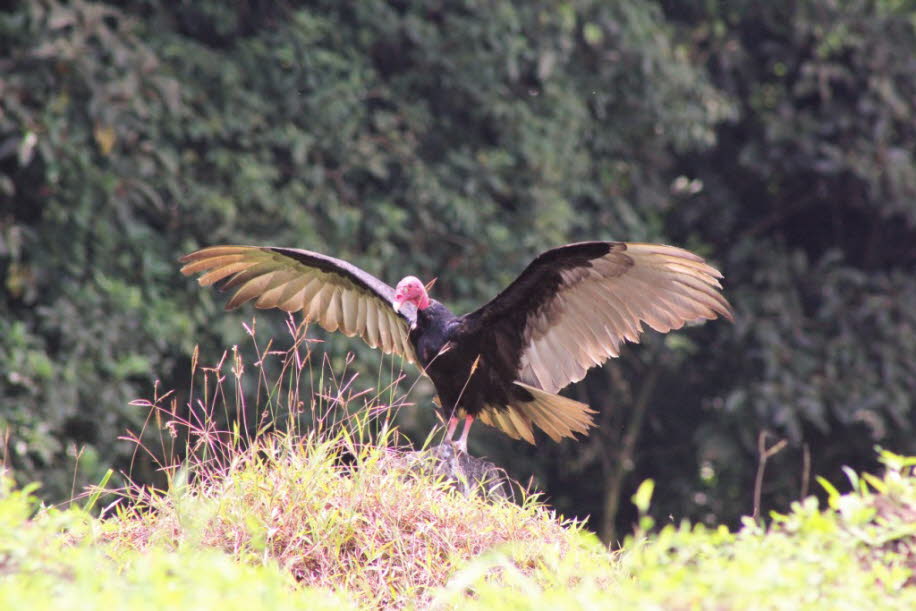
[434,312]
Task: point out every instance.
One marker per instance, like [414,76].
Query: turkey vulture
[568,311]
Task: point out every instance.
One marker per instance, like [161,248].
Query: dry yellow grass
[382,535]
[328,505]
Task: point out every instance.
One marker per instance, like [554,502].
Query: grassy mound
[380,534]
[287,526]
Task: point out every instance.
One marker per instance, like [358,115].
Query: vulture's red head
[411,290]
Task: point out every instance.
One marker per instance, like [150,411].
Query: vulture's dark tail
[557,416]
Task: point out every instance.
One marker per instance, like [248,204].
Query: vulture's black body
[473,359]
[466,372]
[568,311]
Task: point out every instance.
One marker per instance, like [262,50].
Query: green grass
[280,521]
[285,527]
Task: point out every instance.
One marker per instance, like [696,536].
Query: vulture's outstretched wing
[336,294]
[574,305]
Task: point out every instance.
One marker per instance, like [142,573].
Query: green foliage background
[458,140]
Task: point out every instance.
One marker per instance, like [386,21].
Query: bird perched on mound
[503,363]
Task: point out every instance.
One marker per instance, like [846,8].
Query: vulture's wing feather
[573,306]
[338,295]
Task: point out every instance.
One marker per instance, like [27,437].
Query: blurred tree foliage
[810,198]
[458,140]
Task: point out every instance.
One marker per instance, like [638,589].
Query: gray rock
[467,474]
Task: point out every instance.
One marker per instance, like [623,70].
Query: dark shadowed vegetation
[458,140]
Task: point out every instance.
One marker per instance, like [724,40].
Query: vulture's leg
[452,425]
[463,440]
